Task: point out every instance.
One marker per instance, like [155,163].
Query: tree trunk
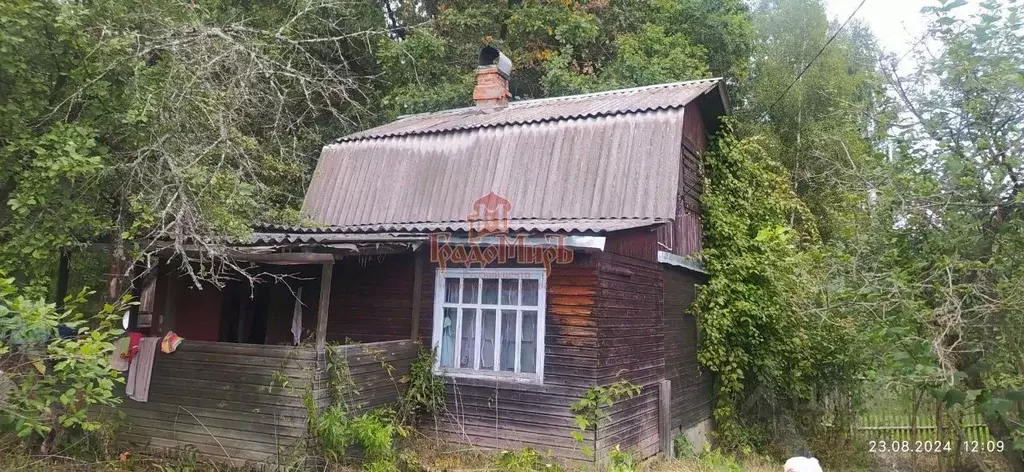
[63,272]
[997,426]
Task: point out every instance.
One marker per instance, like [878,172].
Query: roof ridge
[602,93]
[531,111]
[579,96]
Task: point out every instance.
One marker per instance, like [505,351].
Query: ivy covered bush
[762,333]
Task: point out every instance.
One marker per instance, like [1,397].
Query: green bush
[621,461]
[424,396]
[524,460]
[48,382]
[374,432]
[683,447]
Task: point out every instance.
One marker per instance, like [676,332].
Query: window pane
[487,340]
[530,288]
[469,290]
[451,290]
[491,291]
[467,357]
[509,291]
[508,340]
[448,338]
[528,353]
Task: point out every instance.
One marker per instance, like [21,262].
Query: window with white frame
[490,323]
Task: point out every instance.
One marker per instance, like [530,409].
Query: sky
[897,24]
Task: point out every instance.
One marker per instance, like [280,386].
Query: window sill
[510,377]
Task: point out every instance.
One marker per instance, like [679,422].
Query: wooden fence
[895,427]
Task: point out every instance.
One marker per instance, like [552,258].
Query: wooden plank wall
[197,312]
[630,313]
[371,299]
[684,235]
[225,399]
[376,370]
[506,415]
[691,383]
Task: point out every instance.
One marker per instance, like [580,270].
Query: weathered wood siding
[683,236]
[691,383]
[506,415]
[197,312]
[227,399]
[376,370]
[371,299]
[629,313]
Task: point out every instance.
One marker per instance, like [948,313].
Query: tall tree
[825,125]
[123,121]
[957,210]
[562,47]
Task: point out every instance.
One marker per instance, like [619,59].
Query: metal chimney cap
[490,56]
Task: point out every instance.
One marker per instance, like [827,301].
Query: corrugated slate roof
[612,102]
[325,236]
[578,225]
[596,162]
[411,232]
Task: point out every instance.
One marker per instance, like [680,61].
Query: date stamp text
[969,447]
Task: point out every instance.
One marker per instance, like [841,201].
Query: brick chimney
[492,75]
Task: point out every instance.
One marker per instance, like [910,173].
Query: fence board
[894,427]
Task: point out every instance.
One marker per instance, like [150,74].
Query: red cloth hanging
[133,345]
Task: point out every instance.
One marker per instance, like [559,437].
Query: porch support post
[326,271]
[417,292]
[170,297]
[665,417]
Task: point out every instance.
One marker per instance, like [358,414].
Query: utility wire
[816,56]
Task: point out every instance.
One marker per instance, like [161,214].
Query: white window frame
[498,273]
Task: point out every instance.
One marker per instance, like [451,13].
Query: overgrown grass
[15,458]
[431,455]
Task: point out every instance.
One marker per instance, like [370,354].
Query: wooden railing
[244,402]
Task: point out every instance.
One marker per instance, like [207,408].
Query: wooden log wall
[691,383]
[228,400]
[605,322]
[632,425]
[503,415]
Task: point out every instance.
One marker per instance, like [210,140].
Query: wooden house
[542,247]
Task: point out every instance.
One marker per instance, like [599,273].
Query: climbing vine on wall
[590,409]
[340,427]
[424,394]
[756,313]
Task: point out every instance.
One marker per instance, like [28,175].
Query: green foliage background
[863,229]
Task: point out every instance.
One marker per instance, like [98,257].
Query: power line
[816,56]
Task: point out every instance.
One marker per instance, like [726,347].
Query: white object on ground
[802,464]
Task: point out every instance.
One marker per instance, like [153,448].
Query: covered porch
[252,368]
